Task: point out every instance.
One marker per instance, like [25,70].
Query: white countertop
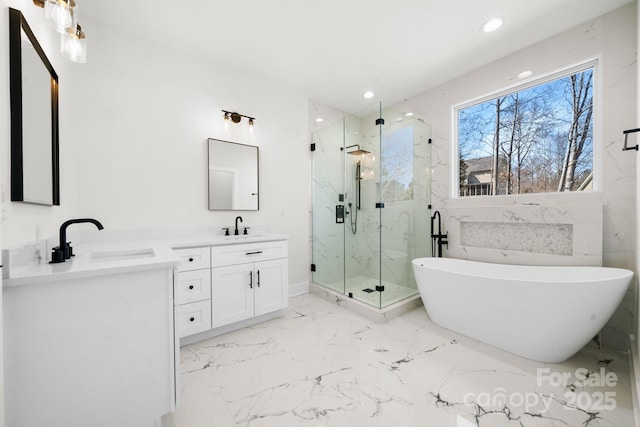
[113,254]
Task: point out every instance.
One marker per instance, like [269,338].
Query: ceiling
[335,50]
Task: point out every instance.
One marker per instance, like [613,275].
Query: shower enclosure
[371,195]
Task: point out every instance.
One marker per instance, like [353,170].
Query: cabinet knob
[190,286]
[190,259]
[191,319]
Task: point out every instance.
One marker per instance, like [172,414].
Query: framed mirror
[35,175]
[233,176]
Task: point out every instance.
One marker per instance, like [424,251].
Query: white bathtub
[541,313]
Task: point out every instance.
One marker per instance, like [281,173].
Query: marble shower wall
[611,39]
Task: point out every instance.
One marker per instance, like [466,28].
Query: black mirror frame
[17,22]
[257,193]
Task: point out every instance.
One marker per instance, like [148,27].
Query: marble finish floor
[392,294]
[321,365]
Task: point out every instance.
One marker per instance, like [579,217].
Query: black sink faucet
[64,250]
[238,218]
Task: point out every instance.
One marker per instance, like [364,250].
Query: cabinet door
[232,294]
[272,286]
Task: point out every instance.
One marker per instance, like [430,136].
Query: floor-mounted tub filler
[545,314]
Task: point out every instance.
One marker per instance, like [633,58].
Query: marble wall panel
[527,234]
[552,239]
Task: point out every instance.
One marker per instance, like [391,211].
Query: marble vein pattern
[555,239]
[321,365]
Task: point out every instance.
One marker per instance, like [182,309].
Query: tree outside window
[535,140]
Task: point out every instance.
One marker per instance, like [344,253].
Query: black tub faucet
[64,251]
[236,230]
[437,238]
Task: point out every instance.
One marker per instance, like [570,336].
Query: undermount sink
[121,255]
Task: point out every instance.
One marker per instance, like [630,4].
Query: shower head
[358,151]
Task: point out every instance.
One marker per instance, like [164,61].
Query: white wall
[133,142]
[612,37]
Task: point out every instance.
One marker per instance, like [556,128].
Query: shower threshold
[397,299]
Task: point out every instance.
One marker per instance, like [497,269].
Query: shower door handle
[339,214]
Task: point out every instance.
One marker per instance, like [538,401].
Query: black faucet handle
[226,230]
[57,255]
[68,250]
[245,230]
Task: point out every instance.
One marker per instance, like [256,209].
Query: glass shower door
[328,211]
[405,190]
[362,231]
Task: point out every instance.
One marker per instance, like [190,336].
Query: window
[537,139]
[396,165]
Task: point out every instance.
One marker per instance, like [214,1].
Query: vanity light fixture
[73,45]
[237,117]
[62,15]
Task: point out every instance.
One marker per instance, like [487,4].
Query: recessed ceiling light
[319,120]
[492,25]
[409,114]
[368,94]
[525,74]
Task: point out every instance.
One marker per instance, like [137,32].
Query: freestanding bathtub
[541,313]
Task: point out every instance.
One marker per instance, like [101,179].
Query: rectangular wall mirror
[35,176]
[233,176]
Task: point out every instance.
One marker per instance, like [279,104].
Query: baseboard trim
[298,289]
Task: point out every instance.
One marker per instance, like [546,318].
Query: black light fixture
[237,117]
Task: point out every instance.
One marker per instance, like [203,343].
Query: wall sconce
[73,45]
[62,15]
[237,118]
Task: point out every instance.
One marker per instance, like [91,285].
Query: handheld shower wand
[354,212]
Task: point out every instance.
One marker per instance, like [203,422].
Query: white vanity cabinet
[192,291]
[90,350]
[248,280]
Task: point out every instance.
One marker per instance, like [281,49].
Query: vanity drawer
[192,286]
[249,252]
[193,318]
[193,258]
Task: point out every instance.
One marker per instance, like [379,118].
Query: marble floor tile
[321,365]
